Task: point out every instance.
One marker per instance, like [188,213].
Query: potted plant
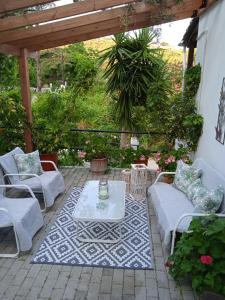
[96,151]
[167,161]
[48,142]
[141,156]
[200,255]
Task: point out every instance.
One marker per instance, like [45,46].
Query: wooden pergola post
[26,96]
[191,53]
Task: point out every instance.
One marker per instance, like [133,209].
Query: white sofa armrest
[50,162]
[24,174]
[19,185]
[185,216]
[25,187]
[163,173]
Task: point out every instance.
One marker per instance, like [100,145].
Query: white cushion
[211,178]
[28,163]
[8,163]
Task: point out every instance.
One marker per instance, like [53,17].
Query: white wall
[211,56]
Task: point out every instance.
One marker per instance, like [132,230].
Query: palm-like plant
[131,66]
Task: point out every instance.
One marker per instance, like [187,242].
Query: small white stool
[138,181]
[126,177]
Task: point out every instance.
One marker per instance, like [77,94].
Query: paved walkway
[21,280]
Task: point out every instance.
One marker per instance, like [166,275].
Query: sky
[171,33]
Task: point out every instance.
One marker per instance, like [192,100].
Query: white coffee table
[114,211]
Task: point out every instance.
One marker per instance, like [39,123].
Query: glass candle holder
[103,192]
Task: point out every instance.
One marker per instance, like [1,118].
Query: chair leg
[14,255]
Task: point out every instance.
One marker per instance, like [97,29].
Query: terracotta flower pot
[99,165]
[49,156]
[141,161]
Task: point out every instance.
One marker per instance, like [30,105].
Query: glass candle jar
[103,192]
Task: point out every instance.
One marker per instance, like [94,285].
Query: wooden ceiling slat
[60,12]
[95,30]
[67,34]
[88,34]
[33,32]
[9,5]
[42,30]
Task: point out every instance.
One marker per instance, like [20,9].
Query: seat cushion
[17,207]
[170,204]
[51,182]
[26,215]
[44,179]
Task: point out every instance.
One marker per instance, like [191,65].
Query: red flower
[206,260]
[168,264]
[81,154]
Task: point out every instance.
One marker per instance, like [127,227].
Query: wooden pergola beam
[60,12]
[9,5]
[209,4]
[13,50]
[124,12]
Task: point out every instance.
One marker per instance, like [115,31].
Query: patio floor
[21,280]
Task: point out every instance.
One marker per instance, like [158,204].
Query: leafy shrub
[9,71]
[192,79]
[186,123]
[81,68]
[12,120]
[74,64]
[54,116]
[200,254]
[69,157]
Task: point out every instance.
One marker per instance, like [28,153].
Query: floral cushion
[185,175]
[192,189]
[28,164]
[206,201]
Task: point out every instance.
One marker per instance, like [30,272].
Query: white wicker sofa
[173,209]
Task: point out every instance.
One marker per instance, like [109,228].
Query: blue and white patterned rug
[133,252]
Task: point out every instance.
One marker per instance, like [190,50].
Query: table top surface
[114,207]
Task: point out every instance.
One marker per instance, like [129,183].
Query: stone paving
[21,280]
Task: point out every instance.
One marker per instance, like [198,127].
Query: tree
[74,64]
[131,67]
[9,71]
